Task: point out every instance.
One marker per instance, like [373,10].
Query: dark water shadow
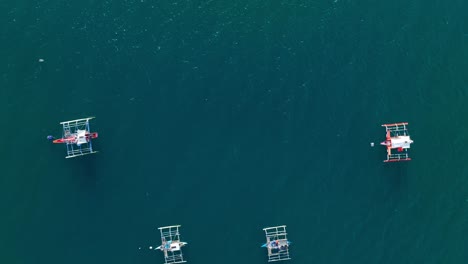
[396,176]
[84,172]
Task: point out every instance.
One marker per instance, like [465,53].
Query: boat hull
[72,139]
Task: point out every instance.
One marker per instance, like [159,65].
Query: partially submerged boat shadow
[396,176]
[85,171]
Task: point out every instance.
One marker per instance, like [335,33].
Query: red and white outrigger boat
[77,137]
[397,142]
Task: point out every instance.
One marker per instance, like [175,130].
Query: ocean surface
[230,116]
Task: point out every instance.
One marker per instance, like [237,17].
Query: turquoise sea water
[230,116]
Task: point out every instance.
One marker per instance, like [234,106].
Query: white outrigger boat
[277,243]
[397,138]
[77,136]
[171,244]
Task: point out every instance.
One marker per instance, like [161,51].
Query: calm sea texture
[230,116]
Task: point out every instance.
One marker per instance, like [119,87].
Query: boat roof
[401,142]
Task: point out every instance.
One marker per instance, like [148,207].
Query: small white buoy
[372,144]
[150,247]
[41,60]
